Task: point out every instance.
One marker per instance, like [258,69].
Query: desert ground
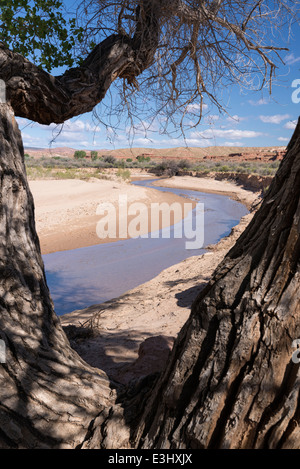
[130,336]
[66,210]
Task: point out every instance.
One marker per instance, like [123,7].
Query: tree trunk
[49,398]
[41,97]
[231,381]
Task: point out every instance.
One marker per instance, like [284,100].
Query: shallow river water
[94,274]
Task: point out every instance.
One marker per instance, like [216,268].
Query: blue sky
[254,119]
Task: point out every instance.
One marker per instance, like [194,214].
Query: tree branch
[41,97]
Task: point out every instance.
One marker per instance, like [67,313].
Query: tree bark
[41,97]
[231,381]
[50,398]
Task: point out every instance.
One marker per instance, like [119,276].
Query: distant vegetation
[79,154]
[70,166]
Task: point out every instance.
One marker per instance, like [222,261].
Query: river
[94,274]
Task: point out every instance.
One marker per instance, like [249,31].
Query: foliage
[199,48]
[142,158]
[38,30]
[94,155]
[123,173]
[109,159]
[164,167]
[79,154]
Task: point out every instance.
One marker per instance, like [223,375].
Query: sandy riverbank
[66,210]
[133,334]
[210,185]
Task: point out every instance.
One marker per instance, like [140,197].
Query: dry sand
[133,334]
[65,210]
[210,185]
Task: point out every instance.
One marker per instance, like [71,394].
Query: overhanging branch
[41,97]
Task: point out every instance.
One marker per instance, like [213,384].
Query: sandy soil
[131,336]
[65,210]
[211,186]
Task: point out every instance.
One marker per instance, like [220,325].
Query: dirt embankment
[250,182]
[131,337]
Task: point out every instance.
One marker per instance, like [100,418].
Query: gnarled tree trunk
[231,381]
[49,397]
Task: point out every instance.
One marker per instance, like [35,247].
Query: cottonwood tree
[230,382]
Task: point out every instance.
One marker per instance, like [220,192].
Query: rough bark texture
[49,397]
[41,97]
[231,381]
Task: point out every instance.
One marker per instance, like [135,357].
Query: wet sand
[66,210]
[132,335]
[213,186]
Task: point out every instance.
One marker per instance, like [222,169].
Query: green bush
[142,158]
[94,155]
[123,173]
[183,164]
[79,154]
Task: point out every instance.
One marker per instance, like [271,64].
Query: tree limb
[41,97]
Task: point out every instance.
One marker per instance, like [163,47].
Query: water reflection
[91,275]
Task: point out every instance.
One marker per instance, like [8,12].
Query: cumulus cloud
[283,139]
[30,141]
[290,59]
[231,134]
[195,108]
[259,102]
[291,125]
[232,144]
[275,119]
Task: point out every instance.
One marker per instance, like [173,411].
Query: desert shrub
[224,169]
[109,159]
[142,158]
[94,155]
[79,154]
[123,173]
[167,167]
[184,164]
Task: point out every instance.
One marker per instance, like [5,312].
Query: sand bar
[65,210]
[135,332]
[210,185]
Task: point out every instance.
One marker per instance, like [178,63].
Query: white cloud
[236,119]
[92,128]
[143,141]
[212,118]
[68,126]
[232,144]
[30,141]
[228,134]
[21,121]
[283,139]
[275,119]
[290,59]
[197,142]
[290,125]
[195,108]
[76,126]
[260,102]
